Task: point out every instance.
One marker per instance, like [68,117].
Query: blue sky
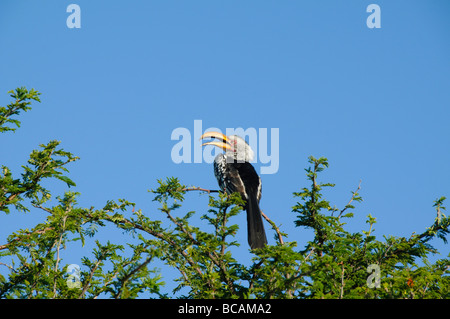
[375,102]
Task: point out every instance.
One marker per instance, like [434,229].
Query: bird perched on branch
[234,173]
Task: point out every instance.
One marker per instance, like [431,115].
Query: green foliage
[49,162]
[334,263]
[23,99]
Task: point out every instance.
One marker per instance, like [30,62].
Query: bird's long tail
[255,227]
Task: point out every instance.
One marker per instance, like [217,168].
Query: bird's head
[235,147]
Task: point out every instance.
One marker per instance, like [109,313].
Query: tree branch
[280,236]
[91,274]
[213,256]
[156,234]
[351,199]
[188,189]
[128,276]
[42,231]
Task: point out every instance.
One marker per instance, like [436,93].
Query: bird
[234,173]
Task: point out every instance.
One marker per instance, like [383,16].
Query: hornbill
[234,173]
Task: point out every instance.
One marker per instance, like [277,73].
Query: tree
[335,263]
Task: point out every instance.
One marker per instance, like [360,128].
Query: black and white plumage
[234,173]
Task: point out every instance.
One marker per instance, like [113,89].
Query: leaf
[65,179]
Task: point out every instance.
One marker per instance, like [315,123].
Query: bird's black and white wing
[242,178]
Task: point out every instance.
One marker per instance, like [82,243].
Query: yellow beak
[223,145]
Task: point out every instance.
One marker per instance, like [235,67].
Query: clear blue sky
[375,102]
